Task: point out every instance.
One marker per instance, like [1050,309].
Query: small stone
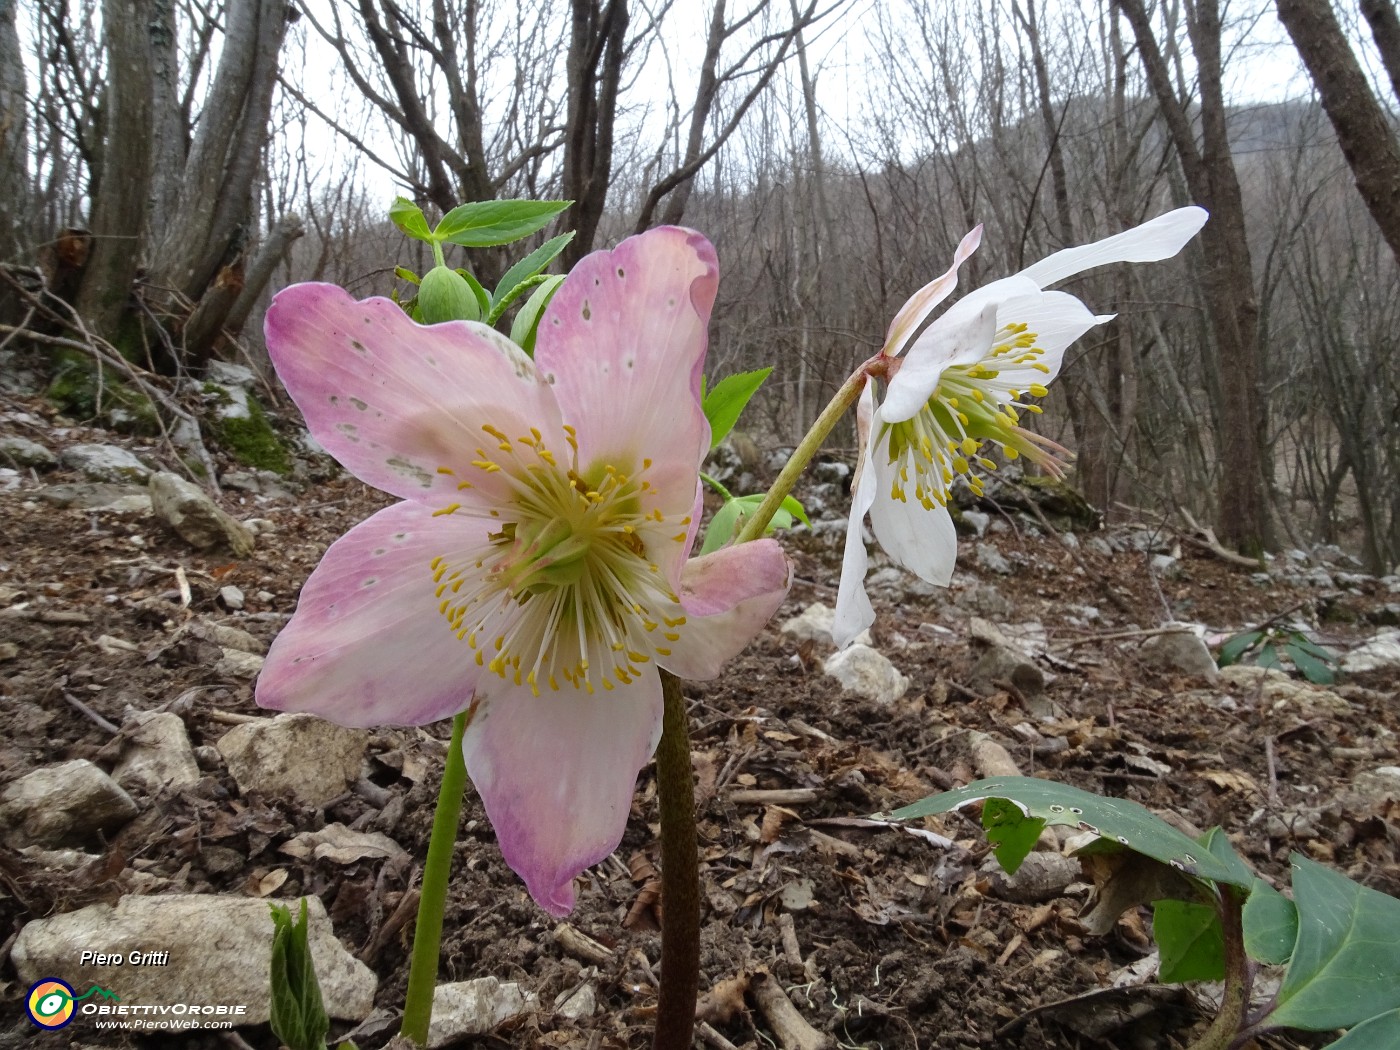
[155,753]
[1166,566]
[473,1008]
[91,495]
[299,755]
[186,508]
[105,463]
[1179,652]
[8,651]
[868,673]
[579,1003]
[1042,876]
[22,452]
[231,596]
[204,949]
[62,805]
[238,664]
[1099,545]
[984,600]
[814,624]
[1381,653]
[974,522]
[1069,540]
[991,559]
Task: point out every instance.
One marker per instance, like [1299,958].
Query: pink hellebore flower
[536,570]
[958,389]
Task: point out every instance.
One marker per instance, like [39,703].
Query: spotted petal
[623,342]
[367,646]
[556,775]
[394,400]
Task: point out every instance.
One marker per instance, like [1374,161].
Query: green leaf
[405,274]
[1381,1032]
[1218,844]
[483,224]
[1270,925]
[483,297]
[1189,940]
[1313,669]
[502,305]
[1116,819]
[726,400]
[1345,967]
[1010,831]
[1236,646]
[526,268]
[724,524]
[791,506]
[298,1014]
[408,217]
[527,321]
[1268,657]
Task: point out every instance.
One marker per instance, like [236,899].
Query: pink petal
[394,401]
[727,596]
[556,775]
[914,312]
[623,342]
[367,646]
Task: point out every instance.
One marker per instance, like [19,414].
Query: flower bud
[445,295]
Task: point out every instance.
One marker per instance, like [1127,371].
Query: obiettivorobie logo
[51,1002]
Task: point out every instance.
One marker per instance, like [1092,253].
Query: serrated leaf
[526,324]
[502,305]
[1270,925]
[1313,669]
[507,290]
[408,217]
[1379,1033]
[1345,967]
[1012,834]
[1236,646]
[483,224]
[1120,820]
[1190,942]
[298,1015]
[726,400]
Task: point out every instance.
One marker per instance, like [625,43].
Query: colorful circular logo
[50,1003]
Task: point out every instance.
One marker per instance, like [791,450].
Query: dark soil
[900,944]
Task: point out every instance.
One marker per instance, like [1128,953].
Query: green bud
[445,295]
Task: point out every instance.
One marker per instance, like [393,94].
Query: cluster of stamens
[564,592]
[972,408]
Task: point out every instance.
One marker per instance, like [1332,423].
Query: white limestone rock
[62,805]
[105,463]
[868,673]
[195,517]
[478,1007]
[155,753]
[814,623]
[300,755]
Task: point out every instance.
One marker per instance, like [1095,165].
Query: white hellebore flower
[959,389]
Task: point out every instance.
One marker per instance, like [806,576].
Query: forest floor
[879,938]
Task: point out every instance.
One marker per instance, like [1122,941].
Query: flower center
[565,589]
[974,406]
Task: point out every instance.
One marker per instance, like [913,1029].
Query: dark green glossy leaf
[1345,967]
[1236,646]
[509,288]
[1268,657]
[483,224]
[1379,1033]
[1116,819]
[1313,669]
[1190,941]
[724,402]
[1010,831]
[1270,925]
[1218,844]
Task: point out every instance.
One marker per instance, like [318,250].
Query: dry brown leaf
[1230,780]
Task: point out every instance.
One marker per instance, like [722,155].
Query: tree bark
[14,141]
[119,211]
[1385,29]
[597,50]
[1226,278]
[1363,130]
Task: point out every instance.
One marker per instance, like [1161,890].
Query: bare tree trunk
[269,256]
[1363,131]
[1385,28]
[14,142]
[119,211]
[597,48]
[1227,279]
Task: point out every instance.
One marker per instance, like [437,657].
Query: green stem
[715,485]
[438,258]
[1235,1002]
[427,935]
[802,455]
[680,876]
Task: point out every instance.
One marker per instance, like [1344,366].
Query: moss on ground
[252,440]
[75,389]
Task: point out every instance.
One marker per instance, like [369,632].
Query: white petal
[916,538]
[854,612]
[919,305]
[1057,319]
[1158,238]
[940,347]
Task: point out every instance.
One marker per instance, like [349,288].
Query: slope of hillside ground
[879,938]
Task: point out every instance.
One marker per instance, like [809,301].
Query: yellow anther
[451,508]
[1037,390]
[444,470]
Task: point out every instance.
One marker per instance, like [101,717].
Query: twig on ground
[90,714]
[789,1027]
